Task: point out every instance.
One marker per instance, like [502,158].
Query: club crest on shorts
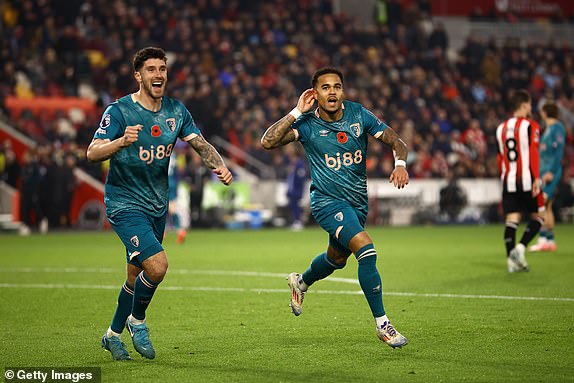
[171,123]
[135,240]
[355,129]
[339,216]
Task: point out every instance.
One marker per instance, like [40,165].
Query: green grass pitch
[222,315]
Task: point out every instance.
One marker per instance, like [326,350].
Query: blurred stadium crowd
[240,65]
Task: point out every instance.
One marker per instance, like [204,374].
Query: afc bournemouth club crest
[135,240]
[170,123]
[355,129]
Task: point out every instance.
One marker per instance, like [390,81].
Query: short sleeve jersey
[337,153]
[552,149]
[138,174]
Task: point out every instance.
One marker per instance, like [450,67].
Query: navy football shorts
[342,221]
[140,233]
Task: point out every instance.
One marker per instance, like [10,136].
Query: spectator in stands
[452,198]
[30,209]
[63,186]
[296,180]
[197,175]
[250,59]
[9,167]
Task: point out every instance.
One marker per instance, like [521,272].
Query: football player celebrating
[137,133]
[334,137]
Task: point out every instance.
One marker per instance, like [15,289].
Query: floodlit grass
[222,314]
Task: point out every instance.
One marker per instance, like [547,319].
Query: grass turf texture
[210,323]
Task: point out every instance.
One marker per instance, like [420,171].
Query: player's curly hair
[326,70]
[148,53]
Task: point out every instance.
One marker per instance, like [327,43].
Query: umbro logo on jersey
[135,240]
[171,123]
[323,133]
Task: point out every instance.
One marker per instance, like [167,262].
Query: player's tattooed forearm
[288,137]
[279,133]
[207,152]
[391,138]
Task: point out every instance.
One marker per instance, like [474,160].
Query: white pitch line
[282,291]
[175,271]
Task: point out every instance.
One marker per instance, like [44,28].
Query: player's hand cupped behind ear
[306,100]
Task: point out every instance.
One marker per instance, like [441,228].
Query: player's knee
[337,257]
[156,268]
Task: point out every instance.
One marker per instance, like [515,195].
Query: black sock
[531,230]
[510,236]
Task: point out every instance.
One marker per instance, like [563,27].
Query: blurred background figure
[9,167]
[178,213]
[452,199]
[30,209]
[197,176]
[551,152]
[296,181]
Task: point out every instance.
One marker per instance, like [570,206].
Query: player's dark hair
[518,98]
[323,71]
[148,53]
[551,109]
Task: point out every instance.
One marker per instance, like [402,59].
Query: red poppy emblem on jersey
[342,137]
[155,131]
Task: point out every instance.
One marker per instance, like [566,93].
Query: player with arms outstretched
[519,165]
[334,137]
[138,133]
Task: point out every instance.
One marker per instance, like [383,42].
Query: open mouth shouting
[332,101]
[157,85]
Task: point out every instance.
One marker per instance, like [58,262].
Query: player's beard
[151,92]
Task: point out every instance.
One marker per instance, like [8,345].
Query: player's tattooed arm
[211,159]
[399,177]
[280,133]
[207,152]
[391,138]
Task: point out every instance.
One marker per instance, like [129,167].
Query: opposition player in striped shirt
[519,165]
